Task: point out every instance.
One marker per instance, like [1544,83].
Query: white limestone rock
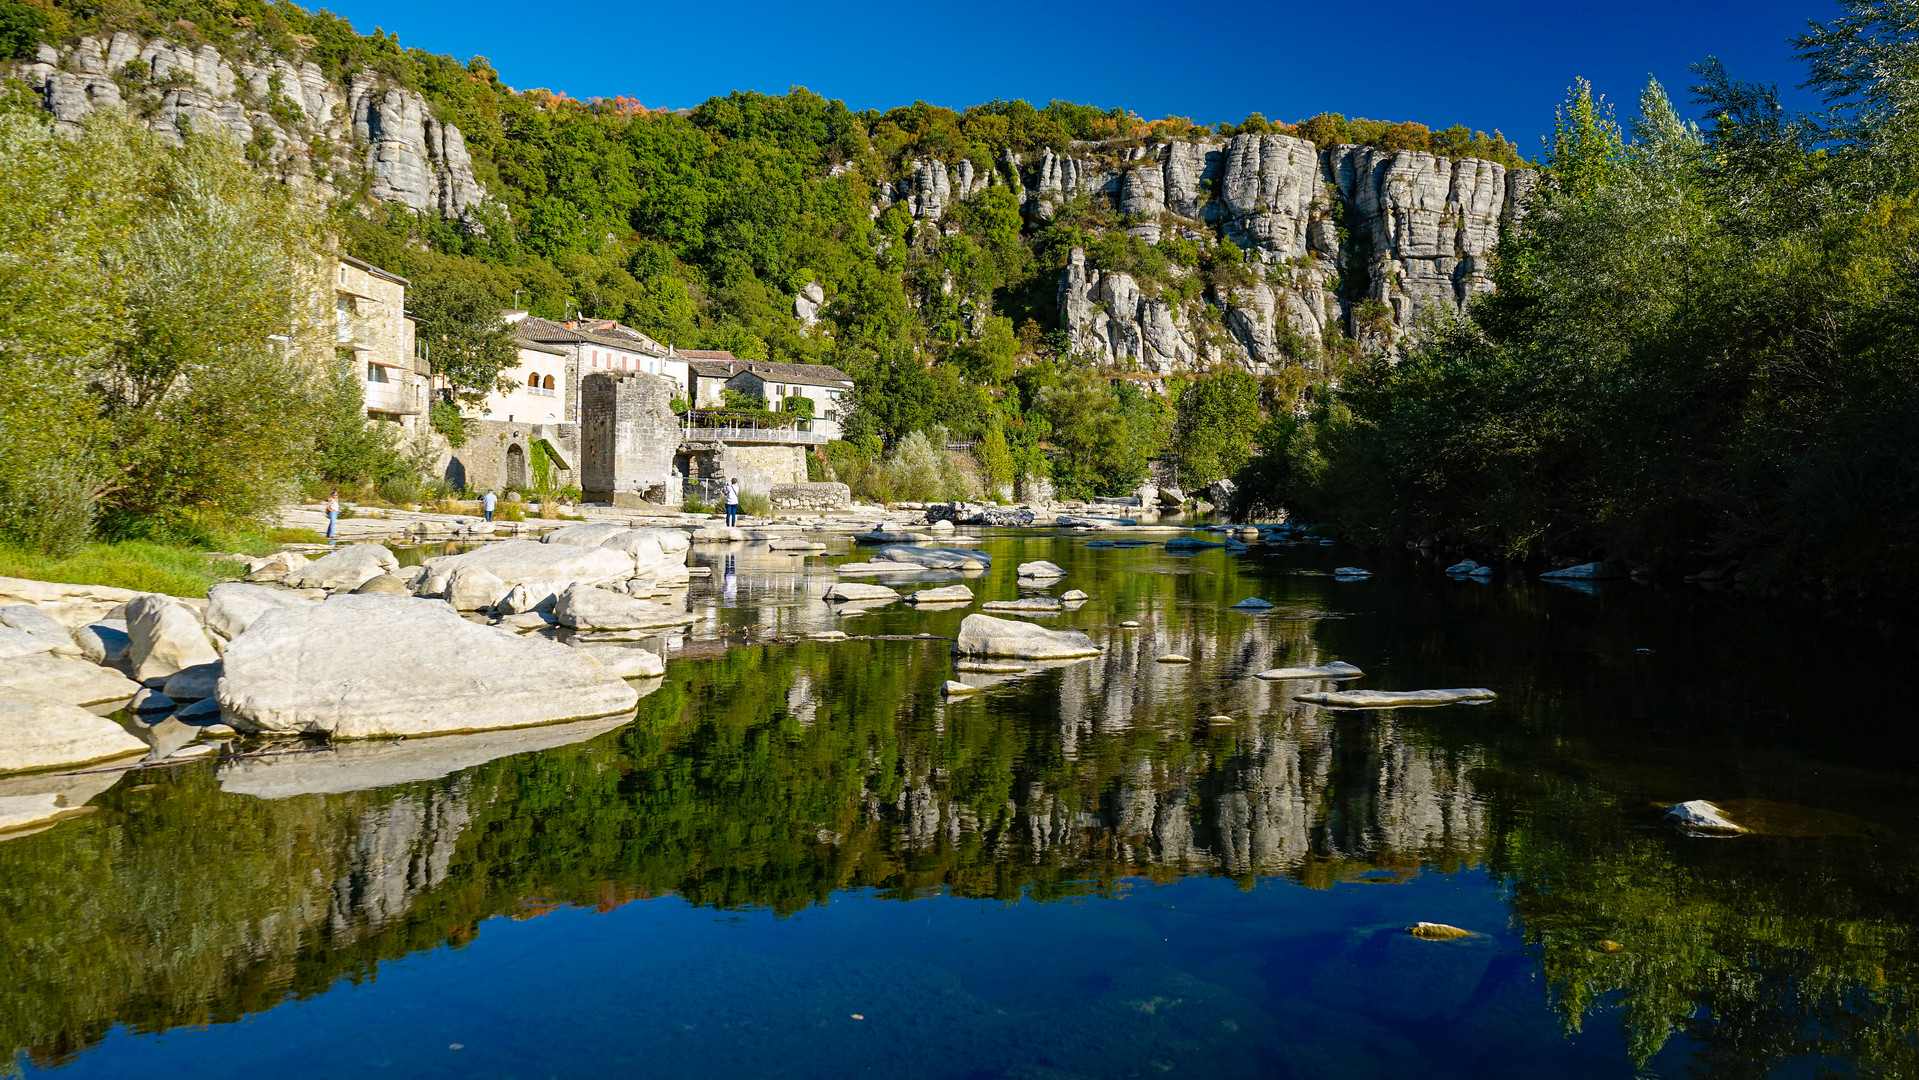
[474,588]
[1073,596]
[232,605]
[164,635]
[36,624]
[719,534]
[984,635]
[1031,605]
[854,590]
[543,568]
[74,682]
[333,669]
[934,558]
[39,732]
[892,536]
[103,641]
[1173,658]
[626,661]
[1384,699]
[196,683]
[385,585]
[1701,818]
[955,688]
[1040,570]
[586,607]
[947,594]
[1338,669]
[344,569]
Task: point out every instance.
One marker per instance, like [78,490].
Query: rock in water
[1073,596]
[335,669]
[718,534]
[1592,571]
[41,733]
[950,594]
[1175,658]
[955,688]
[942,527]
[74,682]
[1383,699]
[1701,818]
[232,606]
[626,661]
[1335,670]
[1463,567]
[1040,569]
[1351,573]
[854,590]
[196,683]
[345,569]
[1035,605]
[934,558]
[1436,931]
[1253,603]
[983,635]
[584,607]
[164,636]
[886,536]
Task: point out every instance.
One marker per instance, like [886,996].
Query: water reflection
[780,775]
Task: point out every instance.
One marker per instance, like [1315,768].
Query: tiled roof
[808,374]
[706,365]
[534,328]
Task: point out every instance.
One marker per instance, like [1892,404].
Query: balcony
[753,435]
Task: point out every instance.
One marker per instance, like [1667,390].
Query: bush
[50,510]
[446,419]
[402,489]
[696,505]
[755,504]
[512,511]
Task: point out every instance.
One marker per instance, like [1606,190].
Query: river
[799,859]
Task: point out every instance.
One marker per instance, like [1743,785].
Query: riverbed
[801,858]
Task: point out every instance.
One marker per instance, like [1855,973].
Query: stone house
[599,346]
[372,332]
[777,383]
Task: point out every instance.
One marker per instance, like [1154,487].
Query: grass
[142,565]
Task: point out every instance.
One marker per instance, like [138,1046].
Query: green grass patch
[126,564]
[293,536]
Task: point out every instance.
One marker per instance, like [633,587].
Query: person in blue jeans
[487,505]
[732,501]
[332,513]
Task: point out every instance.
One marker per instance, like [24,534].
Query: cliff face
[290,116]
[1324,232]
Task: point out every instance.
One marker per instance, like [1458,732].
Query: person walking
[487,503]
[332,513]
[732,500]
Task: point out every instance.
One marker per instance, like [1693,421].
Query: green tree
[1214,425]
[463,327]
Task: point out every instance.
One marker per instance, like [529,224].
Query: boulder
[1040,569]
[343,570]
[1172,497]
[854,590]
[529,620]
[75,682]
[385,585]
[333,669]
[280,563]
[881,569]
[232,605]
[196,683]
[519,600]
[199,713]
[1129,624]
[1383,699]
[38,732]
[984,635]
[1253,603]
[1080,521]
[591,534]
[545,569]
[586,607]
[949,594]
[471,588]
[934,558]
[1073,596]
[149,700]
[1464,566]
[942,527]
[164,636]
[103,641]
[36,624]
[1221,492]
[1701,818]
[1335,670]
[1592,571]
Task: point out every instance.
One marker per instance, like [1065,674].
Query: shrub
[446,419]
[696,505]
[755,504]
[49,510]
[512,511]
[402,489]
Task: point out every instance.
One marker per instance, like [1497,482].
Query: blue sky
[1494,64]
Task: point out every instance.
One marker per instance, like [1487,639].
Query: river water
[799,860]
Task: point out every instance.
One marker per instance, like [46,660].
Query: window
[375,373]
[549,382]
[533,381]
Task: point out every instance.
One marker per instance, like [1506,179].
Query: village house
[714,373]
[599,345]
[373,334]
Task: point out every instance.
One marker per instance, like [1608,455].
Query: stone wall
[809,498]
[498,456]
[757,466]
[628,437]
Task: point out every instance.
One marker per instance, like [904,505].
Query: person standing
[487,503]
[332,513]
[732,500]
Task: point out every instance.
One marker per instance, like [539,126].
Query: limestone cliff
[289,115]
[1325,231]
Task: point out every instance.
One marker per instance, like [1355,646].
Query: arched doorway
[516,467]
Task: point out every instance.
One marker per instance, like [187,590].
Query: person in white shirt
[732,500]
[487,503]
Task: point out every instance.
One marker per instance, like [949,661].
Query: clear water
[797,860]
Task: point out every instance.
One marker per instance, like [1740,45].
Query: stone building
[599,346]
[373,334]
[825,386]
[629,438]
[519,439]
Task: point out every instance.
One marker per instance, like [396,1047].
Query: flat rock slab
[854,590]
[1701,818]
[347,568]
[1592,571]
[1335,670]
[947,594]
[333,669]
[1041,569]
[794,543]
[42,733]
[626,661]
[1187,543]
[1174,658]
[989,667]
[550,567]
[30,621]
[1351,573]
[233,605]
[984,635]
[1036,605]
[1384,699]
[934,558]
[585,607]
[880,569]
[74,682]
[361,767]
[888,536]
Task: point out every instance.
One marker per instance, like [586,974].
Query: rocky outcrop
[288,114]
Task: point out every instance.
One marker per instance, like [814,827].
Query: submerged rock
[1034,605]
[1351,573]
[1336,670]
[333,669]
[345,569]
[1433,931]
[164,636]
[1701,818]
[984,635]
[1189,543]
[854,590]
[587,607]
[955,688]
[41,733]
[1253,603]
[1384,699]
